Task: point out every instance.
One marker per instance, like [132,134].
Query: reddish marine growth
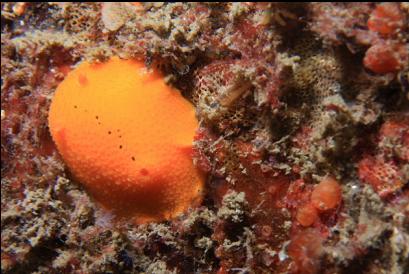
[307,215]
[309,204]
[386,19]
[386,57]
[326,195]
[384,170]
[305,250]
[383,176]
[394,138]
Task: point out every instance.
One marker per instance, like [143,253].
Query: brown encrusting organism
[303,137]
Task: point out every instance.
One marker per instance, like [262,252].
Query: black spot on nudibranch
[133,158]
[120,146]
[96,117]
[109,132]
[75,106]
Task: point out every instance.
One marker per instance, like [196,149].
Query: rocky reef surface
[304,137]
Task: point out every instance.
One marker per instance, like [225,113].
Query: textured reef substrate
[288,96]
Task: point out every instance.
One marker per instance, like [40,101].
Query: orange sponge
[127,137]
[327,194]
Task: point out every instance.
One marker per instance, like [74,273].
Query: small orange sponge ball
[327,194]
[127,137]
[307,214]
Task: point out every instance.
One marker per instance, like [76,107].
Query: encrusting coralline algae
[288,96]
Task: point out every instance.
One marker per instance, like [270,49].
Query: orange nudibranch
[127,137]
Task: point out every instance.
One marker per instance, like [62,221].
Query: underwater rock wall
[303,137]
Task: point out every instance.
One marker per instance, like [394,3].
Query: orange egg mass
[127,137]
[327,194]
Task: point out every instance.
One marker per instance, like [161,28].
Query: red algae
[385,58]
[384,170]
[386,18]
[298,194]
[305,249]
